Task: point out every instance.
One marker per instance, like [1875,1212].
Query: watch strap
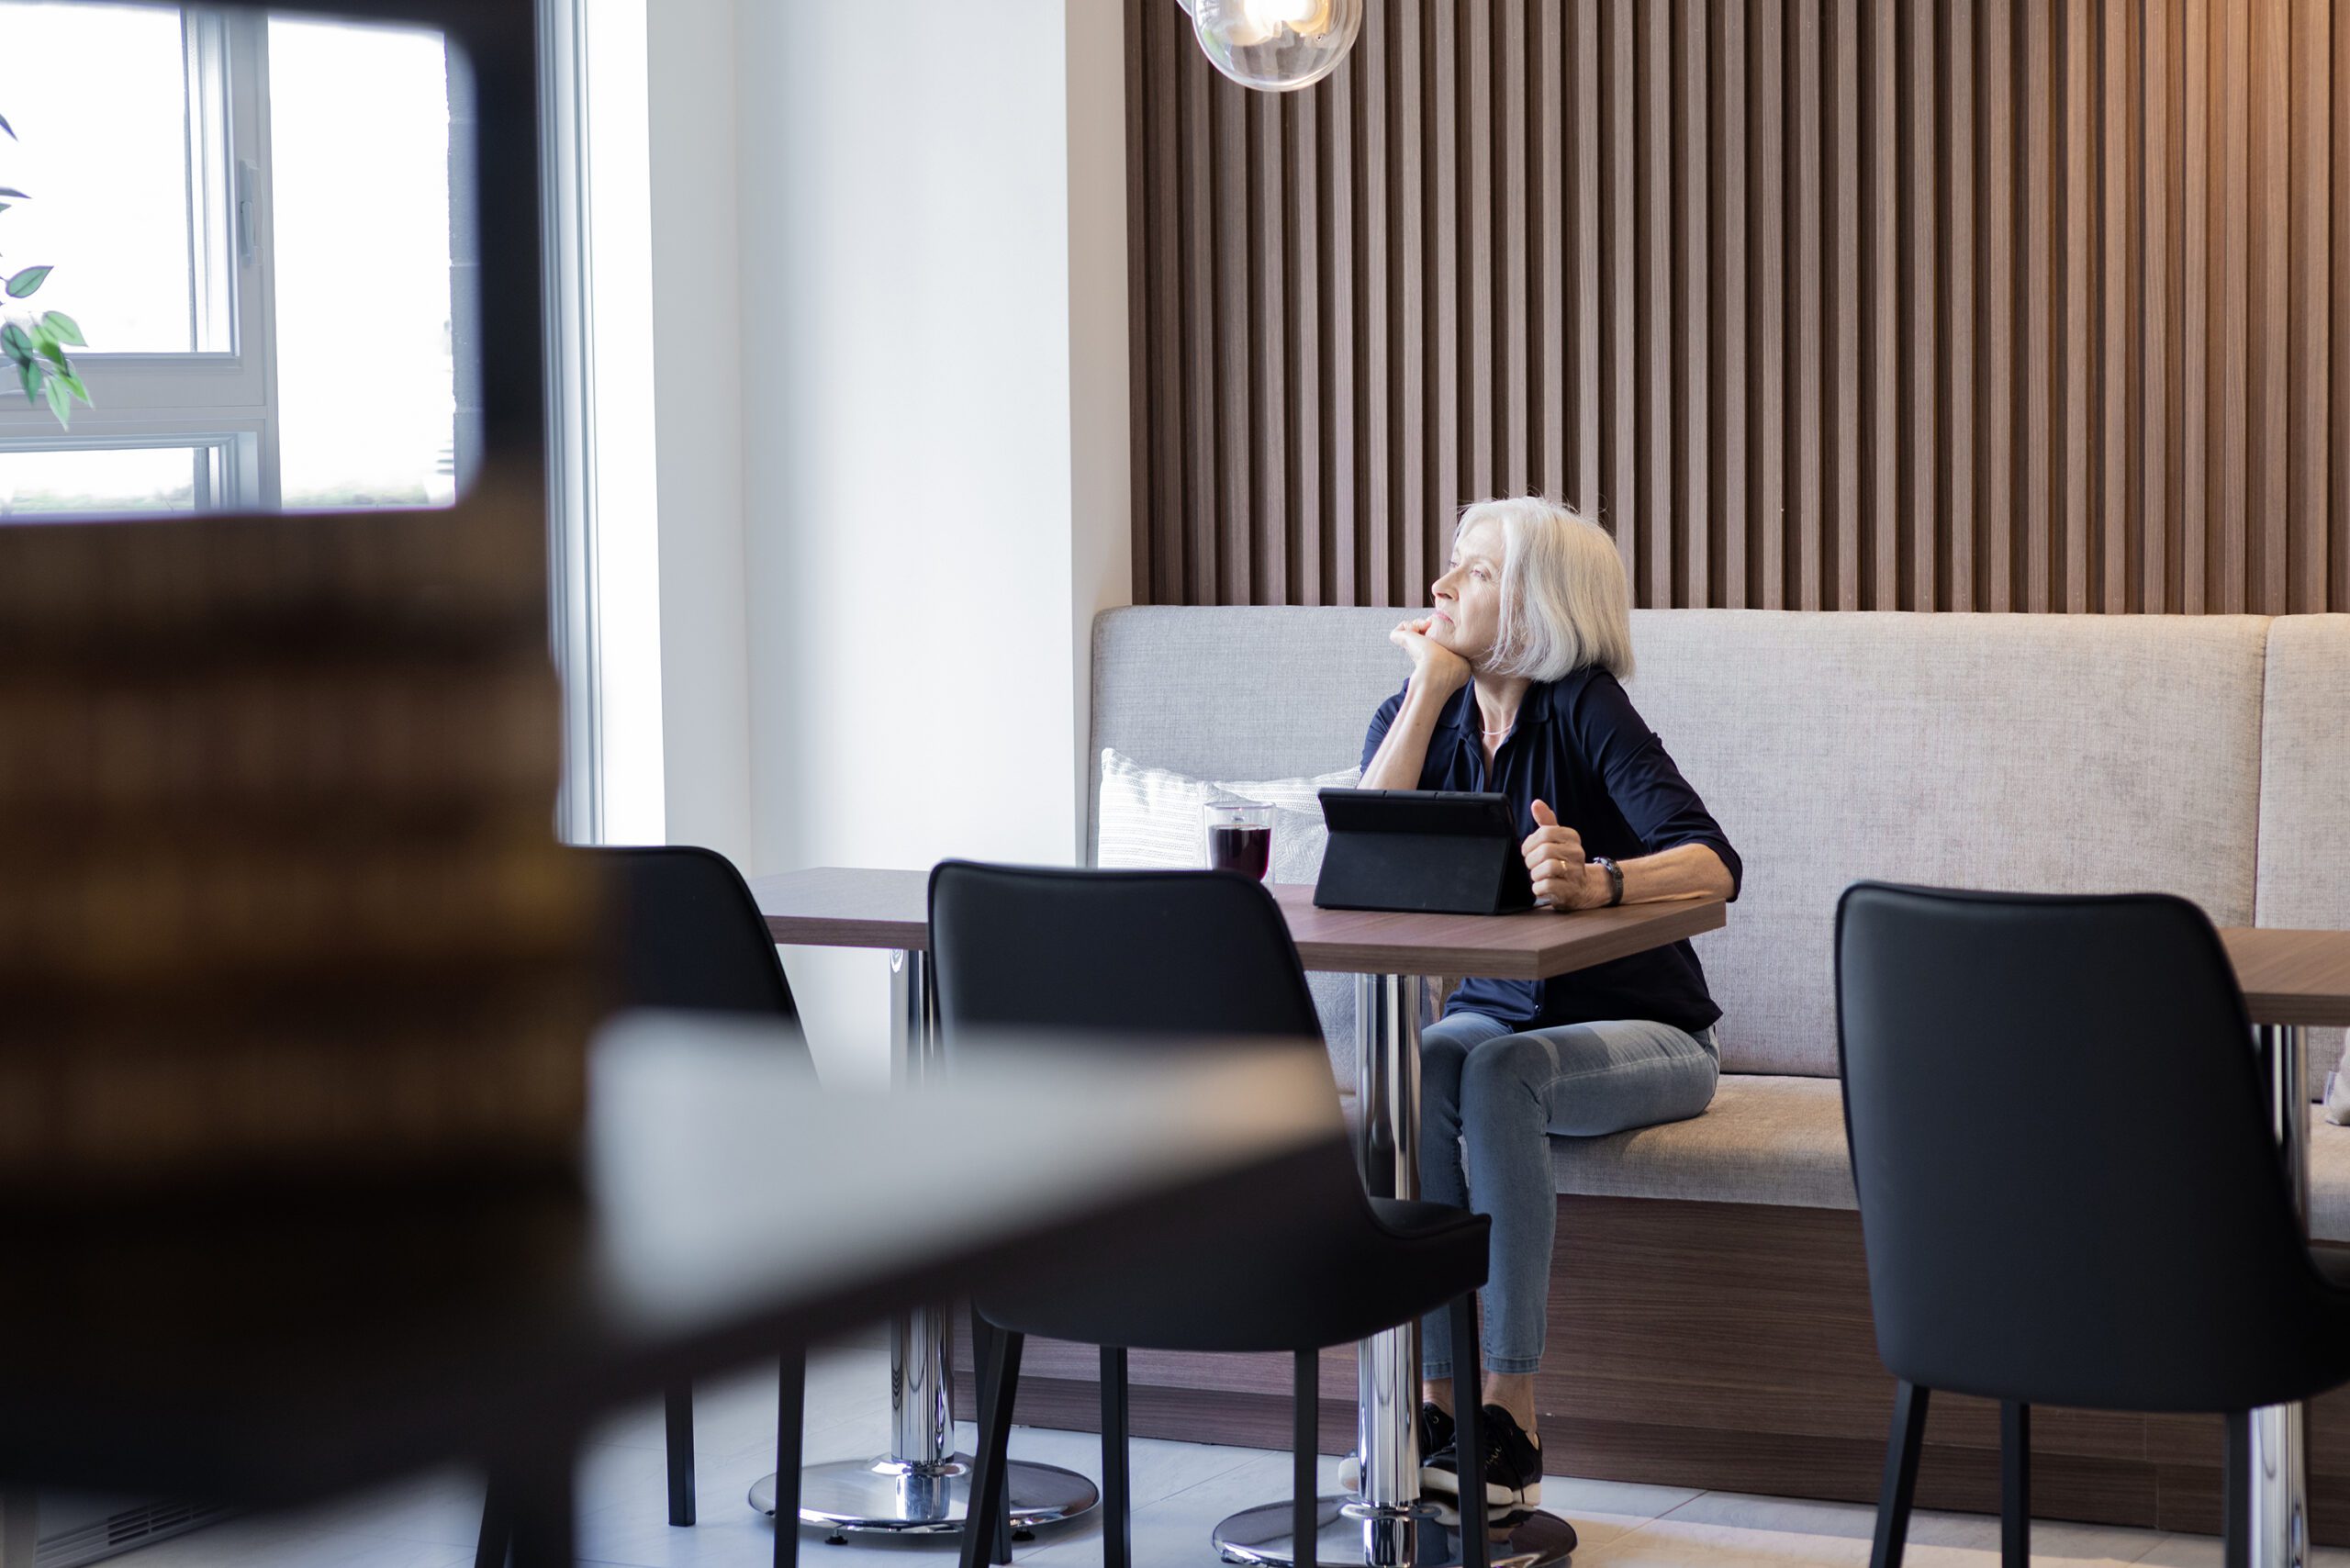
[1614,880]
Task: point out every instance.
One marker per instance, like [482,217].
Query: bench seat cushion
[1765,1140]
[1772,1139]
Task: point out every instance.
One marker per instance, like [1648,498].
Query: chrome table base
[888,1497]
[1417,1537]
[2278,1485]
[920,1486]
[1388,1526]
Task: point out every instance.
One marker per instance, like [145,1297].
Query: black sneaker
[1436,1432]
[1513,1465]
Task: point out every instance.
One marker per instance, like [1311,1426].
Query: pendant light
[1276,46]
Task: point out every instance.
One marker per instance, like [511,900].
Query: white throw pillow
[1152,818]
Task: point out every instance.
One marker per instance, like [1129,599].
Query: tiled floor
[1181,1491]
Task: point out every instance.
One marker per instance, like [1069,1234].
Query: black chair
[1173,954]
[689,936]
[2069,1191]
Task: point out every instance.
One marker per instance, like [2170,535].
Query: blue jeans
[1490,1100]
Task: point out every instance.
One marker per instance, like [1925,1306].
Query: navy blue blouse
[1582,748]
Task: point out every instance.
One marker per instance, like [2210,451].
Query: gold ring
[1562,867]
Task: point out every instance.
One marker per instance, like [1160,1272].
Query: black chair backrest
[2068,1190]
[1199,953]
[691,935]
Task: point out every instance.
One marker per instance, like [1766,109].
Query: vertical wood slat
[1693,389]
[1582,171]
[2116,208]
[1545,57]
[1303,291]
[1845,403]
[1551,261]
[1958,519]
[2307,403]
[1334,132]
[1652,207]
[1999,414]
[1513,316]
[1811,405]
[1767,313]
[1621,504]
[1943,305]
[1880,132]
[1920,322]
[1266,276]
[1728,284]
[1407,361]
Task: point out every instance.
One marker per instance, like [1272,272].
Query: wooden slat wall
[1816,304]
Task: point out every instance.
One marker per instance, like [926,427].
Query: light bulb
[1276,46]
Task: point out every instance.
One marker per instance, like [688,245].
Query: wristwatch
[1614,880]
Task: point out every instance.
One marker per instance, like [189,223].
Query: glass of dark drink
[1240,838]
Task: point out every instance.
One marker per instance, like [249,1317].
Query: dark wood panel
[1922,304]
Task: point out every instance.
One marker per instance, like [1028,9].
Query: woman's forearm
[1684,871]
[1401,756]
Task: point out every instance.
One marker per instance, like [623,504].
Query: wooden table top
[834,906]
[2292,976]
[286,1340]
[2288,977]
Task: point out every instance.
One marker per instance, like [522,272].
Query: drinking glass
[1240,838]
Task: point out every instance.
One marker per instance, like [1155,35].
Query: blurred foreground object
[279,887]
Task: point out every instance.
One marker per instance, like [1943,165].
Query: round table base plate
[852,1495]
[1522,1539]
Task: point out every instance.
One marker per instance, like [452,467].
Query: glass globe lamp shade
[1276,46]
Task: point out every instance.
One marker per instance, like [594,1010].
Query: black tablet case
[1425,851]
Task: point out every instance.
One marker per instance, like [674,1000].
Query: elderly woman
[1514,688]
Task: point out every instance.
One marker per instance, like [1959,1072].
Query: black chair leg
[999,1380]
[1469,1424]
[678,1415]
[2235,1528]
[538,1492]
[984,1346]
[1305,1447]
[2015,1484]
[1117,1481]
[790,1416]
[496,1528]
[1900,1475]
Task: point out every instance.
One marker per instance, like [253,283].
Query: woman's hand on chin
[1436,669]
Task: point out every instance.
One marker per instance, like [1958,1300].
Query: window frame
[223,392]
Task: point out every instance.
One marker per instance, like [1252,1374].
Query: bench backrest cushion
[2072,753]
[2305,791]
[2086,753]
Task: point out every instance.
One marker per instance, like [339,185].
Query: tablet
[1434,851]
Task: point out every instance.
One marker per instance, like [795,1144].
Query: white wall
[694,312]
[929,305]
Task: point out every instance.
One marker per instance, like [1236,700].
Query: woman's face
[1468,598]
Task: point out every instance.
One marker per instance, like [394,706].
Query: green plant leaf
[15,344]
[8,191]
[63,328]
[6,127]
[26,283]
[31,374]
[73,384]
[61,401]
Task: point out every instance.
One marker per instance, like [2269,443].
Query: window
[253,235]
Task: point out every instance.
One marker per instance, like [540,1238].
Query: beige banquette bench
[1709,1312]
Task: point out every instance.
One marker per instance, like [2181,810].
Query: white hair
[1565,602]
